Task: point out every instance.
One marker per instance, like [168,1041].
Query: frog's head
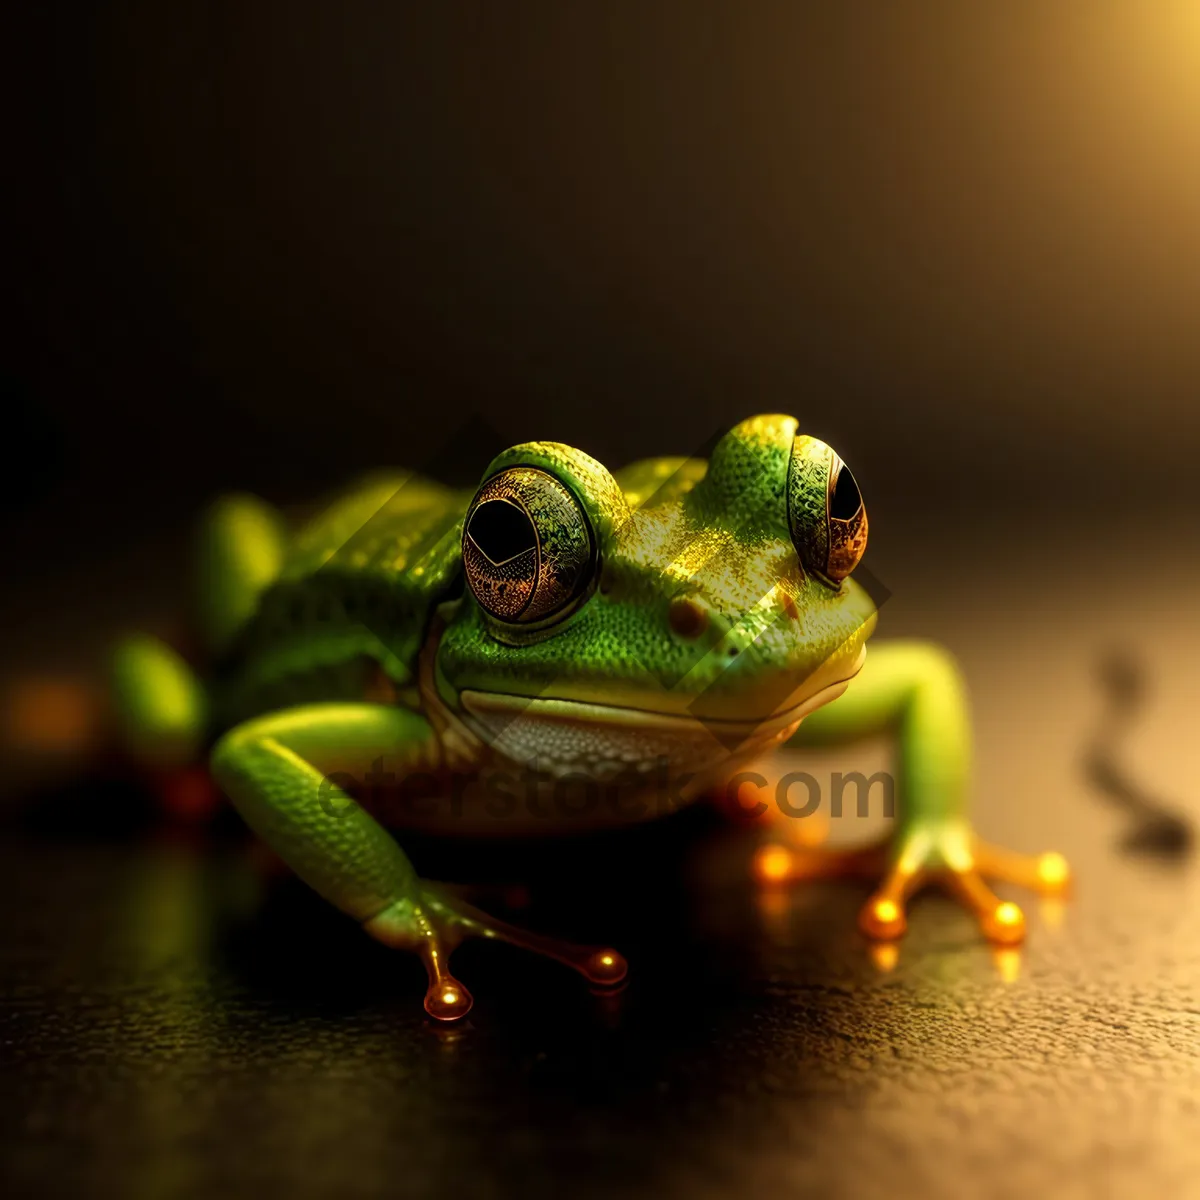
[675,606]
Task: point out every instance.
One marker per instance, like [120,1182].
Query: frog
[678,619]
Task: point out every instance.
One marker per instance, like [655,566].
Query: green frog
[567,649]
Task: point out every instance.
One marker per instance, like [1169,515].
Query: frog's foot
[436,925]
[950,856]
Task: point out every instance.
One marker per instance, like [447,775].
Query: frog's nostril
[688,617]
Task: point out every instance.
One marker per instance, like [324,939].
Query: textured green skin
[731,530]
[299,630]
[354,588]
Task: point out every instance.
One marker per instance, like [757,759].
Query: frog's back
[352,601]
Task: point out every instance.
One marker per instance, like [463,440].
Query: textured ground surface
[167,1029]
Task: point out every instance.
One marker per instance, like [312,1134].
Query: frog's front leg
[284,771]
[915,690]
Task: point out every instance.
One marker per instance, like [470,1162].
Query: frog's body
[657,628]
[347,613]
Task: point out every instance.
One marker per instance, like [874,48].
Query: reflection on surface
[884,955]
[172,1024]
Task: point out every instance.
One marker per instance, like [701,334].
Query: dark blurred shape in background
[1154,828]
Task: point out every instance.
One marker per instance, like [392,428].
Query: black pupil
[845,501]
[501,530]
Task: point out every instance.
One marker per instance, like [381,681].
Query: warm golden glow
[1052,871]
[773,864]
[447,999]
[1053,912]
[1008,963]
[885,956]
[605,967]
[813,831]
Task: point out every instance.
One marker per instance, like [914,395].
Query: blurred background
[265,246]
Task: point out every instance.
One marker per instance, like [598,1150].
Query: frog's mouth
[560,734]
[567,734]
[508,708]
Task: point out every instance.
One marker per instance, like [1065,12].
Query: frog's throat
[488,722]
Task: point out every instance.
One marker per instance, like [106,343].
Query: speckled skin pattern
[680,614]
[724,541]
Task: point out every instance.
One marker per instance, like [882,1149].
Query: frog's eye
[527,546]
[825,511]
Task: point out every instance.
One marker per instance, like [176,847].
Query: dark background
[267,245]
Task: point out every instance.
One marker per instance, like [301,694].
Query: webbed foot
[948,855]
[440,922]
